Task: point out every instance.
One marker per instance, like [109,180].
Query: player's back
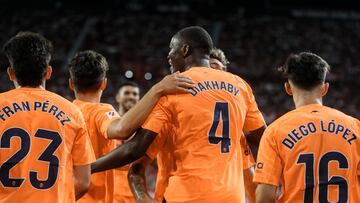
[320,153]
[98,117]
[208,125]
[42,137]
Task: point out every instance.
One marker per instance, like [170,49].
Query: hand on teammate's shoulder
[175,84]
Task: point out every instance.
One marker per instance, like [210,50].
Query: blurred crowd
[255,46]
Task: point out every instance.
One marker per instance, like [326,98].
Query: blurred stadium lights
[148,76]
[129,74]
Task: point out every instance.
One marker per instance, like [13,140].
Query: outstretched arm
[126,126]
[125,153]
[137,180]
[253,140]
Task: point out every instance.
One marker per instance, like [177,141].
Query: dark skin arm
[137,180]
[253,140]
[125,153]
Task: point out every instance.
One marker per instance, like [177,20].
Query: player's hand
[175,84]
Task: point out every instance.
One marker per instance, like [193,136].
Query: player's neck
[194,61]
[92,97]
[303,99]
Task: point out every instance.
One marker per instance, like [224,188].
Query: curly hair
[29,55]
[219,55]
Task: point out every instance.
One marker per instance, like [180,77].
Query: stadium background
[256,36]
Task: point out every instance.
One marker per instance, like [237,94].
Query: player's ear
[103,84]
[11,73]
[288,89]
[71,84]
[185,49]
[325,89]
[48,73]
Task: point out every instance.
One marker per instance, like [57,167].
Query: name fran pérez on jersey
[7,111]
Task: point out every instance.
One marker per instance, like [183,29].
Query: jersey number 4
[221,110]
[46,156]
[324,181]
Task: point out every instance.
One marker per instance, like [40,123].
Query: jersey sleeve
[82,150]
[105,116]
[269,166]
[160,115]
[254,118]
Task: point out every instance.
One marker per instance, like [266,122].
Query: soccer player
[312,151]
[207,127]
[88,81]
[127,96]
[45,151]
[217,61]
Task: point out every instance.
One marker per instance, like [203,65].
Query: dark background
[256,36]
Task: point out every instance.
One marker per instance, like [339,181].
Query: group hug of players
[201,124]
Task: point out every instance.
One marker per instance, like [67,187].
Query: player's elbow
[117,130]
[265,193]
[82,187]
[82,179]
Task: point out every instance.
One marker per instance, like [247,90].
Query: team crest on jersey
[111,114]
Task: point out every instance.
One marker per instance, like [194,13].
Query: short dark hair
[306,70]
[29,55]
[87,70]
[128,83]
[197,38]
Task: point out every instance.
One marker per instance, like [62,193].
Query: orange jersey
[122,192]
[42,136]
[98,117]
[248,159]
[314,153]
[208,125]
[161,149]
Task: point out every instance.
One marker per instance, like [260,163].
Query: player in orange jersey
[127,96]
[207,127]
[165,159]
[219,61]
[88,81]
[312,151]
[45,151]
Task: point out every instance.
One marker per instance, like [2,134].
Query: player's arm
[126,126]
[137,181]
[250,186]
[81,180]
[265,193]
[125,153]
[253,140]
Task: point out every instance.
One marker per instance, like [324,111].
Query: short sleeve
[248,160]
[158,143]
[106,114]
[159,116]
[268,166]
[254,118]
[357,133]
[82,150]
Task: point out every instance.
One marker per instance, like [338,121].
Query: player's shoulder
[284,120]
[335,113]
[92,106]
